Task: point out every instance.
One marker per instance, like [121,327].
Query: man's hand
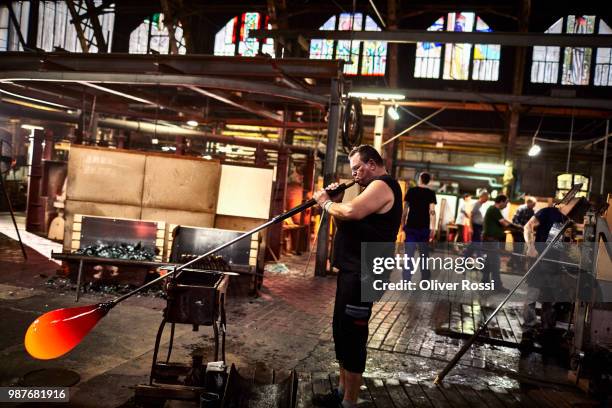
[531,251]
[432,235]
[321,196]
[402,236]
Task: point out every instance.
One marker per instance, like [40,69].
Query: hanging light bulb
[534,150]
[393,113]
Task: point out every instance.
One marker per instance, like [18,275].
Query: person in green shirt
[493,236]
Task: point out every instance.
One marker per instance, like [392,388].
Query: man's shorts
[350,324]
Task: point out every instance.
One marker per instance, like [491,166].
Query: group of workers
[376,215]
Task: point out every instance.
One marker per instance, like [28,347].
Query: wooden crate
[77,232]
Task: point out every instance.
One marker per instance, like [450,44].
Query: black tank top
[373,228]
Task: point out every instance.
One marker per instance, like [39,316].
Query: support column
[279,199]
[390,150]
[329,171]
[34,209]
[180,146]
[33,24]
[379,129]
[517,89]
[48,150]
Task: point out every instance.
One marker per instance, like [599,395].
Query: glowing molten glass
[57,332]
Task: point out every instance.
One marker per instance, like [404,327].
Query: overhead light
[393,113]
[192,123]
[377,95]
[32,127]
[493,167]
[112,91]
[439,145]
[534,150]
[154,141]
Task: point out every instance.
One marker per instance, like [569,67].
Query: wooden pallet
[464,319]
[394,393]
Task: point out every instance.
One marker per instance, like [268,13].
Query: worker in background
[372,216]
[419,220]
[493,236]
[522,215]
[543,281]
[476,219]
[463,218]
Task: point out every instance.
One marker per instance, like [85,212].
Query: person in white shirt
[463,218]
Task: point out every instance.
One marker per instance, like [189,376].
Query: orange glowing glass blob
[57,332]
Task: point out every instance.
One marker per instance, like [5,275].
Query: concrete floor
[287,326]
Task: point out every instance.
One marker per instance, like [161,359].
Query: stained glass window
[152,36]
[374,52]
[603,61]
[577,61]
[457,56]
[573,64]
[429,54]
[368,58]
[458,61]
[323,49]
[225,39]
[545,65]
[486,57]
[233,38]
[9,38]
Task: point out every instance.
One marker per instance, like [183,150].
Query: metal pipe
[147,127]
[329,171]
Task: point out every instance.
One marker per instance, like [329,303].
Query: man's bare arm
[374,198]
[529,235]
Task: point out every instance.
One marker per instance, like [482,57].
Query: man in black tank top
[373,216]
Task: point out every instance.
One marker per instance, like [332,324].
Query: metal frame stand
[10,207]
[440,377]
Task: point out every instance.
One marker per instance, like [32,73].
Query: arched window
[458,60]
[152,36]
[573,64]
[365,57]
[238,28]
[9,38]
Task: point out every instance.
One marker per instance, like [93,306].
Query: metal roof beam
[167,80]
[412,36]
[238,103]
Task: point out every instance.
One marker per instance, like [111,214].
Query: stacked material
[118,251]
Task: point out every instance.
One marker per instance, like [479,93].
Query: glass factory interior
[171,233]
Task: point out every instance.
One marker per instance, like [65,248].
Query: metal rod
[605,156]
[408,129]
[277,219]
[440,377]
